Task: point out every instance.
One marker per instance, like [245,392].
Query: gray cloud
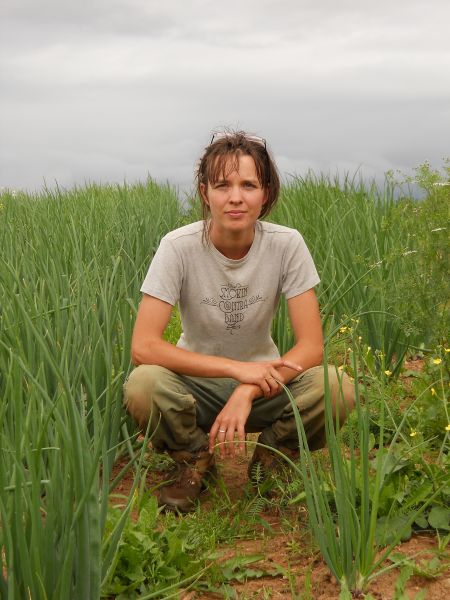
[106,90]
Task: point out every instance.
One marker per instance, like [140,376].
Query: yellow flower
[342,329]
[437,361]
[447,428]
[412,433]
[388,373]
[433,392]
[359,338]
[447,349]
[369,348]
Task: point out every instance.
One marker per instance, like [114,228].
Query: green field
[71,266]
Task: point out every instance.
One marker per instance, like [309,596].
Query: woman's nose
[235,194]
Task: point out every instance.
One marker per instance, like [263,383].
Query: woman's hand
[231,421]
[262,373]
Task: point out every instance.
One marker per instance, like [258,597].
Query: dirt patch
[414,364]
[323,584]
[295,552]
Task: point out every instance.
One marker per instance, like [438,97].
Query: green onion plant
[71,263]
[364,254]
[343,506]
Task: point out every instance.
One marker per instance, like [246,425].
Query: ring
[222,430]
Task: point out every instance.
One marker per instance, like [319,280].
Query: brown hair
[231,145]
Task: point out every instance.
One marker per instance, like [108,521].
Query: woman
[221,379]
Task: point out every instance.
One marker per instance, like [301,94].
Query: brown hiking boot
[187,480]
[264,462]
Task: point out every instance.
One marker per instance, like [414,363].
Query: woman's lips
[235,213]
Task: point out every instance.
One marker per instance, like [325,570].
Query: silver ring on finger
[222,430]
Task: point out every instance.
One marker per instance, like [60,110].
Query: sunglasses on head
[250,138]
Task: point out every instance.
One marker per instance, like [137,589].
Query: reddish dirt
[300,555]
[414,364]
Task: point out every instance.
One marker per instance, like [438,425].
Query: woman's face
[236,200]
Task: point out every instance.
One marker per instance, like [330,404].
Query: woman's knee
[139,391]
[341,389]
[342,393]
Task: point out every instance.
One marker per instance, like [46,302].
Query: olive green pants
[182,409]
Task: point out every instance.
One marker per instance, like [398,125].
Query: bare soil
[296,550]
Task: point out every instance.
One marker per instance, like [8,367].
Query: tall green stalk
[344,522]
[364,254]
[69,297]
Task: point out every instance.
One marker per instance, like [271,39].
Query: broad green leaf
[439,518]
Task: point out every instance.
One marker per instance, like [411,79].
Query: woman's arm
[148,347]
[307,351]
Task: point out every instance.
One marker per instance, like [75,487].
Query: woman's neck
[233,245]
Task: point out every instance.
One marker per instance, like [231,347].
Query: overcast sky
[107,90]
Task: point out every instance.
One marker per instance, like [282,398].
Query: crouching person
[222,379]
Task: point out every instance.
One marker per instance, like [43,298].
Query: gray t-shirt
[226,305]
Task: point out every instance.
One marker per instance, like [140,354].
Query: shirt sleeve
[299,273]
[165,274]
